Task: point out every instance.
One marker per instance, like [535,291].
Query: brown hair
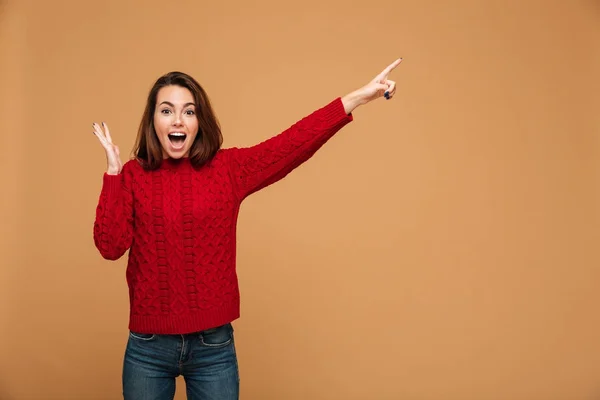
[147,149]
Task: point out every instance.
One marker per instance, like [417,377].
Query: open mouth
[177,138]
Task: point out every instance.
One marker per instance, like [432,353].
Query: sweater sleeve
[263,164]
[114,215]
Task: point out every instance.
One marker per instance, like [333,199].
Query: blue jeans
[207,360]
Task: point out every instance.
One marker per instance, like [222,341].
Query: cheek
[160,126]
[192,126]
[194,123]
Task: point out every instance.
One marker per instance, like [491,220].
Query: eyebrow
[172,105]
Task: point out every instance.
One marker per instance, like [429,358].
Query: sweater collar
[171,163]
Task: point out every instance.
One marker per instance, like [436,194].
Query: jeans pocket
[217,337]
[142,336]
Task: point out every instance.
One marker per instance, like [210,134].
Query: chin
[176,155]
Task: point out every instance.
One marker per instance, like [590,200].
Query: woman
[174,206]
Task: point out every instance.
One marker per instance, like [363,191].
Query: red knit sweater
[179,225]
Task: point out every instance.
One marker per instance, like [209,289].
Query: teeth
[177,134]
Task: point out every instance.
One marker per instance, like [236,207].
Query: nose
[177,121]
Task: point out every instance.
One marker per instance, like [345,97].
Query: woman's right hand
[113,158]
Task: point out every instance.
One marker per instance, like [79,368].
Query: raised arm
[258,166]
[261,165]
[113,226]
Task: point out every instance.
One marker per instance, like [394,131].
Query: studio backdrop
[443,246]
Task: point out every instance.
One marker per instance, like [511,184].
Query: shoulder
[132,165]
[222,157]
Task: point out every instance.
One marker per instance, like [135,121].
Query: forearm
[113,223]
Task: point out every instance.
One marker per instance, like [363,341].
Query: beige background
[443,246]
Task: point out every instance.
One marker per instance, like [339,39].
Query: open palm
[113,158]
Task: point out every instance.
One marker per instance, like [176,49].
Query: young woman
[174,206]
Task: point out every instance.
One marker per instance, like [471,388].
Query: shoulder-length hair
[148,150]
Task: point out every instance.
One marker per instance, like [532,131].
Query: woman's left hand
[380,86]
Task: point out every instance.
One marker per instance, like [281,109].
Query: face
[175,121]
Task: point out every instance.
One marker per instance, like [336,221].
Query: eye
[190,112]
[165,111]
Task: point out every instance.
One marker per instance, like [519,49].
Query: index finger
[391,67]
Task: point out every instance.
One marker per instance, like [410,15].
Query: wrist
[351,101]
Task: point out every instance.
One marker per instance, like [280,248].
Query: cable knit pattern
[179,225]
